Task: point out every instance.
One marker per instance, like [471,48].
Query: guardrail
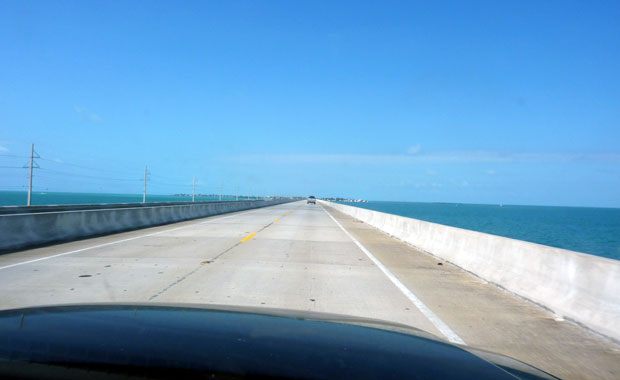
[49,224]
[577,286]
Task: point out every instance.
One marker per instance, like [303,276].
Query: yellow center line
[250,236]
[276,220]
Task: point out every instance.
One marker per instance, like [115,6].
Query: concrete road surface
[303,257]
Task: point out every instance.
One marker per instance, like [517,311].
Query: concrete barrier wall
[19,231]
[91,206]
[577,286]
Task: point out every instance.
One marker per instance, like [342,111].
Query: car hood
[164,340]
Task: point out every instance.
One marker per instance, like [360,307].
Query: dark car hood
[165,340]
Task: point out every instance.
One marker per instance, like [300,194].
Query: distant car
[311,199]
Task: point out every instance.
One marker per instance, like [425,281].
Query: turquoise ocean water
[590,230]
[18,198]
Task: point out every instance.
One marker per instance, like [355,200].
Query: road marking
[428,313]
[277,220]
[250,236]
[123,240]
[179,280]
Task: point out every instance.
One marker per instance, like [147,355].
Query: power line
[84,167]
[13,155]
[167,178]
[90,175]
[170,184]
[87,176]
[146,173]
[33,164]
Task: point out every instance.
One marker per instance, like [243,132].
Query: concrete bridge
[305,257]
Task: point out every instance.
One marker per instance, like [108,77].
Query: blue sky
[480,102]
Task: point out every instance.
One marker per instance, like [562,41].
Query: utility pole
[237,193]
[30,179]
[194,189]
[220,191]
[144,194]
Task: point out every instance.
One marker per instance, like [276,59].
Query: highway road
[304,257]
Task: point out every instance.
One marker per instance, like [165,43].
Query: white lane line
[428,313]
[124,240]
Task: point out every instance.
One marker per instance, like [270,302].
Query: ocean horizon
[41,198]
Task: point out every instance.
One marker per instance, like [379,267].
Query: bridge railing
[573,285]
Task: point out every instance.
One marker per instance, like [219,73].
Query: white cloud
[437,157]
[489,171]
[87,114]
[94,117]
[415,149]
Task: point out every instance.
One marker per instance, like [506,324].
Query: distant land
[345,200]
